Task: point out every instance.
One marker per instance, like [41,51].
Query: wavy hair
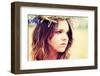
[44,30]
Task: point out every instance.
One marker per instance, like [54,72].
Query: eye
[58,32]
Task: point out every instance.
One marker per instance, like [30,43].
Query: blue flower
[33,21]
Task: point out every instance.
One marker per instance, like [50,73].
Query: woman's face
[59,40]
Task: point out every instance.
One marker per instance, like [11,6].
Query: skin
[59,40]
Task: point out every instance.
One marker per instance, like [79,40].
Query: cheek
[60,38]
[55,44]
[54,41]
[56,38]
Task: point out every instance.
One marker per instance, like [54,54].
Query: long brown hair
[44,30]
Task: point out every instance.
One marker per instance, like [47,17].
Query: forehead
[62,24]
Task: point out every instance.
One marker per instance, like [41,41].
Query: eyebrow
[61,30]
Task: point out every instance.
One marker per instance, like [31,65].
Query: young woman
[51,38]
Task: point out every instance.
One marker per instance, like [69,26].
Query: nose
[64,37]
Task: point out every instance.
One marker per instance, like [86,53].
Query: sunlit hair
[44,30]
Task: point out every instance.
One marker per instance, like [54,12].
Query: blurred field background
[79,49]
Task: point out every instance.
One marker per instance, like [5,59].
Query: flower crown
[39,19]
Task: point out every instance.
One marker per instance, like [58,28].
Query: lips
[63,44]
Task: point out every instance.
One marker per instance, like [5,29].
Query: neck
[52,54]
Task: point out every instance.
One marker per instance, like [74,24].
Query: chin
[61,51]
